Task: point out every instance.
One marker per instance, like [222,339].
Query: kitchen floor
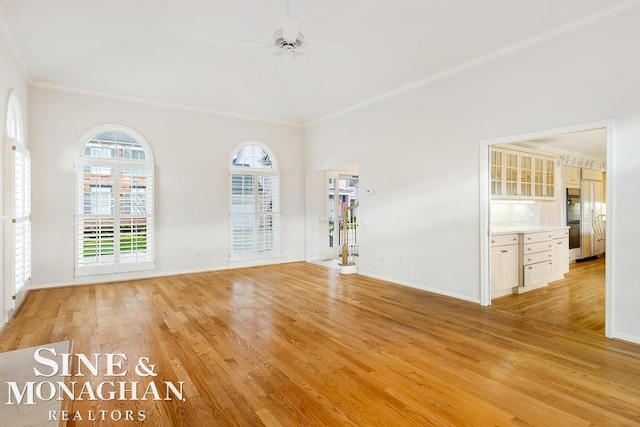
[575,302]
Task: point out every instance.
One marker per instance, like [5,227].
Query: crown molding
[567,28]
[153,103]
[564,29]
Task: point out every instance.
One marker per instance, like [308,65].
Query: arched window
[114,216]
[14,119]
[255,203]
[17,205]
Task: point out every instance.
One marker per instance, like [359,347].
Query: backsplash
[514,214]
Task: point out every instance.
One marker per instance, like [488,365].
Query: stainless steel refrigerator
[585,204]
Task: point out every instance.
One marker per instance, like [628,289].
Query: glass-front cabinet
[511,174]
[526,174]
[550,174]
[517,174]
[539,175]
[496,173]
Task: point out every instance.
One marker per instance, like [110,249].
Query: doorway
[342,192]
[339,194]
[538,140]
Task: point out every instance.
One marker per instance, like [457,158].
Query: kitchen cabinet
[504,264]
[560,254]
[549,178]
[571,176]
[536,262]
[517,174]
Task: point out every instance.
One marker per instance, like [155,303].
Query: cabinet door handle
[504,251]
[530,268]
[559,243]
[528,238]
[493,241]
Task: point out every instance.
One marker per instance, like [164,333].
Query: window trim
[274,171]
[118,165]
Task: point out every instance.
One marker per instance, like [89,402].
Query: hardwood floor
[575,302]
[298,344]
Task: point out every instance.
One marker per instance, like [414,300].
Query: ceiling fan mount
[287,40]
[289,44]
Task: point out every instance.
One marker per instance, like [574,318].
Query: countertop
[525,229]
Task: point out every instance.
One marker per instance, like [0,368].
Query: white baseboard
[150,274]
[626,337]
[421,287]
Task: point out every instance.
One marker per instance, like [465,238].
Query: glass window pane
[252,156]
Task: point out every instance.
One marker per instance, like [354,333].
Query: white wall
[192,154]
[420,152]
[11,79]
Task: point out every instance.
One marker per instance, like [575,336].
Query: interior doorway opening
[341,216]
[521,197]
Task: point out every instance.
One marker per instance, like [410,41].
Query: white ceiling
[179,52]
[589,144]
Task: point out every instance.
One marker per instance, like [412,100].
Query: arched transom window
[114,203]
[14,119]
[255,203]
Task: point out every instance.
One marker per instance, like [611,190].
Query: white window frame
[116,170]
[257,217]
[17,219]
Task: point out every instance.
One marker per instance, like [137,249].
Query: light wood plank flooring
[298,344]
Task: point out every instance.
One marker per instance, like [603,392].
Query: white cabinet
[536,263]
[571,176]
[525,261]
[560,254]
[504,264]
[536,275]
[549,178]
[519,174]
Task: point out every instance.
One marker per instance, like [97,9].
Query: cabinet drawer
[537,237]
[537,257]
[561,242]
[537,273]
[504,239]
[533,248]
[560,233]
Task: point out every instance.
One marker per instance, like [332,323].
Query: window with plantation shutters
[17,207]
[114,216]
[255,204]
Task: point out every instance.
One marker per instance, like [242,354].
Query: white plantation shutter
[242,214]
[268,227]
[255,205]
[136,217]
[17,222]
[114,206]
[19,231]
[96,219]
